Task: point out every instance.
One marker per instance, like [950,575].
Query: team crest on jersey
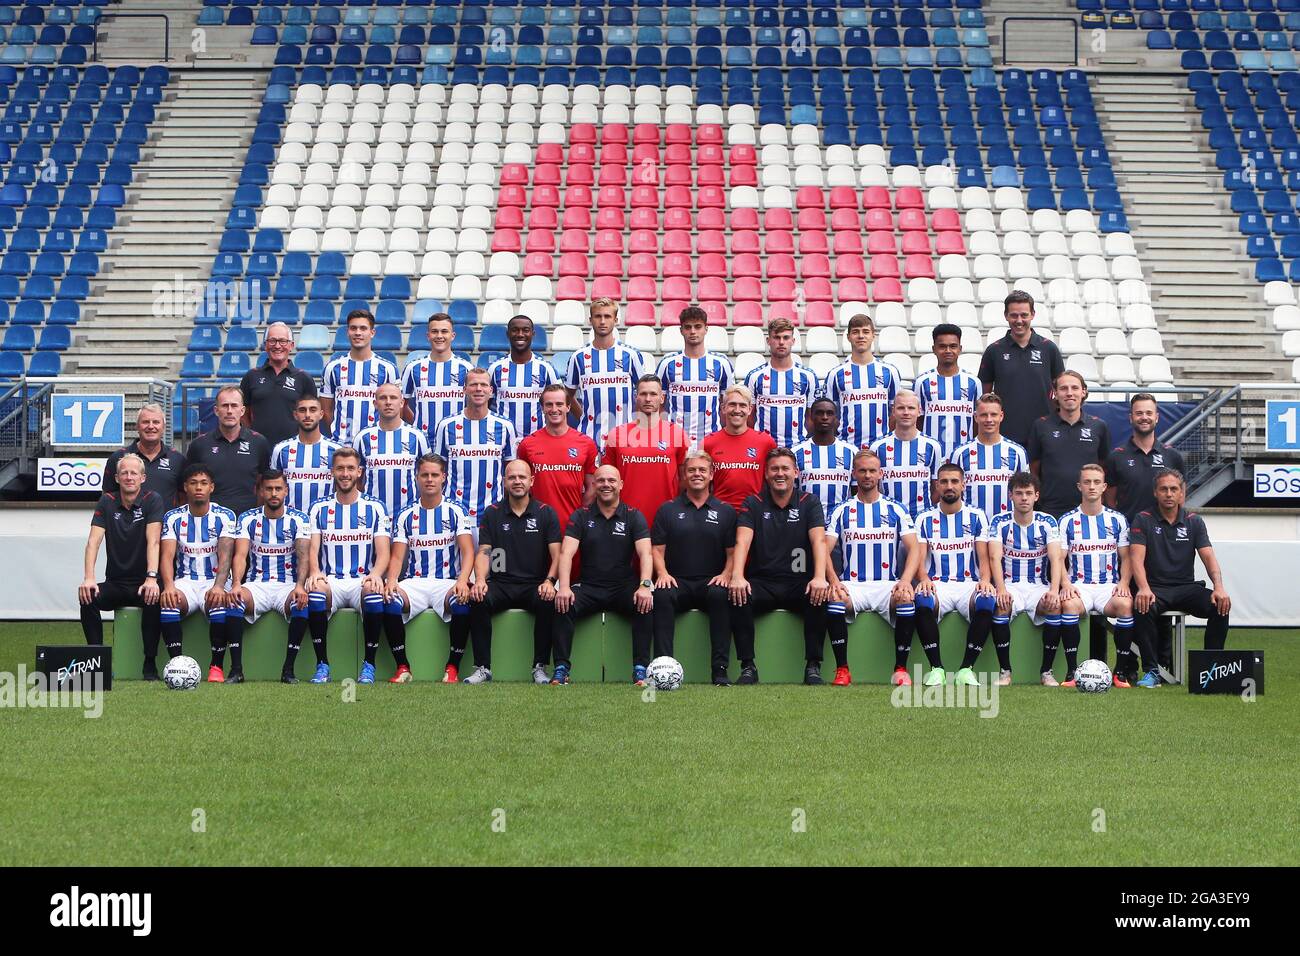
[1155,460]
[591,523]
[663,445]
[573,452]
[1006,356]
[530,524]
[505,526]
[794,514]
[166,465]
[712,516]
[1180,533]
[620,527]
[1035,355]
[1056,434]
[751,452]
[681,515]
[1131,462]
[1085,433]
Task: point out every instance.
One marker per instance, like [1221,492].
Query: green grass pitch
[770,775]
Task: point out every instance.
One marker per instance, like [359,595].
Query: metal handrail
[1070,20]
[167,31]
[1212,403]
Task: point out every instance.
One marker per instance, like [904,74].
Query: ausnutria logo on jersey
[77,909]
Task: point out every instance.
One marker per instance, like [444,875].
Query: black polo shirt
[781,535]
[1022,377]
[235,465]
[1171,548]
[1061,449]
[519,542]
[608,545]
[1132,473]
[696,539]
[125,546]
[270,398]
[162,475]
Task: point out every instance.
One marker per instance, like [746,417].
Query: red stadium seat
[577,217]
[912,220]
[711,175]
[848,242]
[579,174]
[671,311]
[881,242]
[582,133]
[514,173]
[677,133]
[678,287]
[950,243]
[546,196]
[875,197]
[819,313]
[715,312]
[746,241]
[646,133]
[850,267]
[642,264]
[644,217]
[887,290]
[640,313]
[678,265]
[505,240]
[570,288]
[712,240]
[575,240]
[747,313]
[908,197]
[546,174]
[946,220]
[609,264]
[612,175]
[711,264]
[809,197]
[739,218]
[745,264]
[813,220]
[847,220]
[916,243]
[844,197]
[708,133]
[679,176]
[614,153]
[742,155]
[509,217]
[852,290]
[611,197]
[780,266]
[778,242]
[611,217]
[538,264]
[918,267]
[583,153]
[678,240]
[778,219]
[817,265]
[546,153]
[643,240]
[512,196]
[747,289]
[540,240]
[646,154]
[818,289]
[884,267]
[647,196]
[613,133]
[577,196]
[781,290]
[609,287]
[678,153]
[542,217]
[711,154]
[813,242]
[610,240]
[711,196]
[783,310]
[642,289]
[678,218]
[575,264]
[878,219]
[713,289]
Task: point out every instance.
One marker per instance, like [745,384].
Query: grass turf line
[591,774]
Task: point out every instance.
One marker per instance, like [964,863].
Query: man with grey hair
[271,391]
[233,453]
[162,463]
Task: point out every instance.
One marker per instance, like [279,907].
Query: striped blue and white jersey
[389,458]
[1024,547]
[436,390]
[948,408]
[864,394]
[517,392]
[1092,544]
[272,544]
[782,398]
[907,466]
[988,469]
[951,539]
[306,470]
[476,453]
[347,535]
[604,381]
[826,471]
[693,390]
[196,540]
[352,385]
[430,537]
[869,536]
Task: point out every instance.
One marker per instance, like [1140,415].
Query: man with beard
[306,458]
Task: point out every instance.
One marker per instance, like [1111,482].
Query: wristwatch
[554,581]
[151,574]
[647,583]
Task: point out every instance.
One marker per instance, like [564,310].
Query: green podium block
[264,646]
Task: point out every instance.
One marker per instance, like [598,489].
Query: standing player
[389,452]
[476,445]
[780,562]
[232,454]
[948,394]
[601,377]
[863,387]
[1022,367]
[612,536]
[953,574]
[825,462]
[695,378]
[738,451]
[909,462]
[648,451]
[517,566]
[518,379]
[305,460]
[563,459]
[348,386]
[990,460]
[433,554]
[434,385]
[270,567]
[163,465]
[198,541]
[869,530]
[1027,567]
[350,541]
[1095,539]
[783,389]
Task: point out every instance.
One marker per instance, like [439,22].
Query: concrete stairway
[1208,306]
[1033,44]
[125,38]
[137,318]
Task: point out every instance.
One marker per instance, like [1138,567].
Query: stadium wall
[43,546]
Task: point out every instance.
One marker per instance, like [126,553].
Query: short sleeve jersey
[272,544]
[347,535]
[430,537]
[196,538]
[351,384]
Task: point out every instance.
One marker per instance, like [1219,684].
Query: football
[1092,677]
[182,673]
[664,673]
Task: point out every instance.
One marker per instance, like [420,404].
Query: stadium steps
[170,227]
[1208,305]
[1033,45]
[131,40]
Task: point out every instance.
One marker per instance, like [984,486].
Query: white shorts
[267,596]
[427,594]
[1095,597]
[344,592]
[953,596]
[195,592]
[872,596]
[1024,599]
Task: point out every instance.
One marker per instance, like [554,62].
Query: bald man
[616,574]
[272,390]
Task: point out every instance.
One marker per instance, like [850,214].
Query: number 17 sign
[81,419]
